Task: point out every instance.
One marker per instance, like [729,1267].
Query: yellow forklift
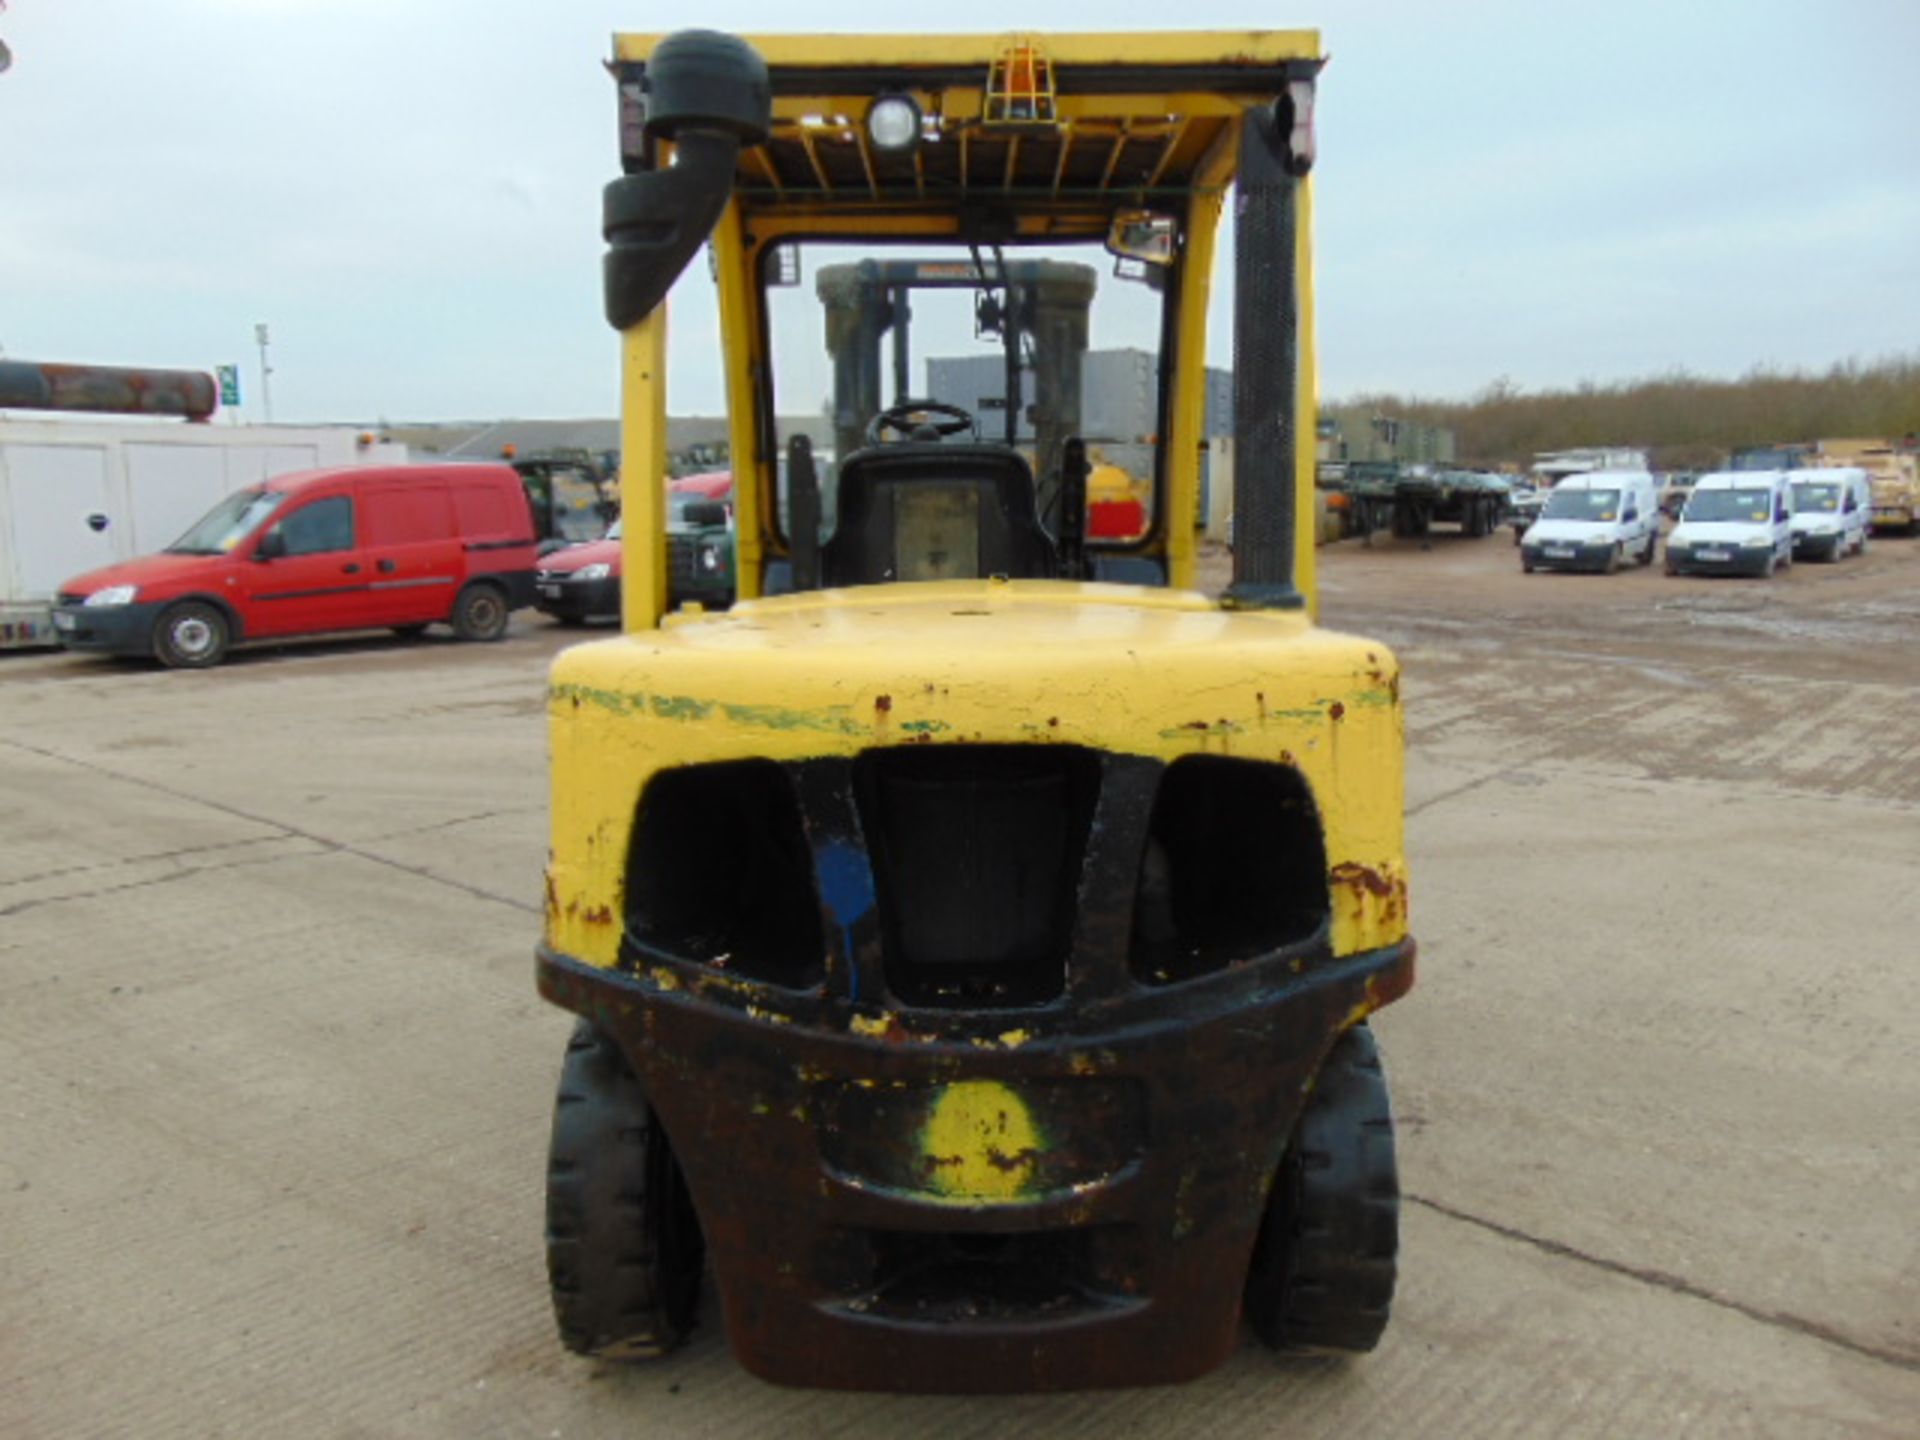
[973,932]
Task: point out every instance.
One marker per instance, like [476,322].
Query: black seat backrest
[936,512]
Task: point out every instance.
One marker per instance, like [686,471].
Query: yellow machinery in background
[974,931]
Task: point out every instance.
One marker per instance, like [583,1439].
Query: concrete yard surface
[275,1084]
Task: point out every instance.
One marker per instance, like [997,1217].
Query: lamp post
[266,394]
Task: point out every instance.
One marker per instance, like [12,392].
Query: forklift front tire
[624,1248]
[1323,1269]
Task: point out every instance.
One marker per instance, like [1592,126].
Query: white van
[1832,511]
[1595,522]
[1737,522]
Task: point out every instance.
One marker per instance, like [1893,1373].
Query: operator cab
[978,467]
[923,506]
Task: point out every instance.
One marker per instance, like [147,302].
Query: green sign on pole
[229,384]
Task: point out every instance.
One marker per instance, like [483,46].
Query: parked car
[582,582]
[1737,522]
[371,547]
[1832,511]
[1596,521]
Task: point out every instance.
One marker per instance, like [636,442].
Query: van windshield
[228,523]
[1753,506]
[1811,499]
[1582,505]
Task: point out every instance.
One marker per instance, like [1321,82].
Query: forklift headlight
[893,123]
[709,559]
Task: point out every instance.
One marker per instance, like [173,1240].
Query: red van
[362,548]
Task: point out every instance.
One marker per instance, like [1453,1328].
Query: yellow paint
[906,51]
[1160,673]
[980,1142]
[741,341]
[872,1025]
[643,471]
[1138,671]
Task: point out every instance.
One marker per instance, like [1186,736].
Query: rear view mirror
[1142,235]
[271,547]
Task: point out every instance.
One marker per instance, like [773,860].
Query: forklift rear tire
[1323,1269]
[624,1248]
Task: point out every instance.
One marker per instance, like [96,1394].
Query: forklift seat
[947,511]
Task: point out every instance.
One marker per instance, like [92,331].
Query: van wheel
[480,613]
[1615,556]
[1323,1268]
[1766,570]
[191,636]
[624,1248]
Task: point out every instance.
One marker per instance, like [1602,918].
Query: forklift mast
[1037,309]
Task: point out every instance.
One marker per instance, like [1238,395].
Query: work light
[893,122]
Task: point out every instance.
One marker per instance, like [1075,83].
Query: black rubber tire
[624,1248]
[192,635]
[1323,1269]
[480,613]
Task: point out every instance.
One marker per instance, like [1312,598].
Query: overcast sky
[407,191]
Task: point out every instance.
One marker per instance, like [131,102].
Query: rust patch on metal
[882,704]
[1369,889]
[1363,877]
[1336,710]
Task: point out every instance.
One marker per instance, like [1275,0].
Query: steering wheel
[905,419]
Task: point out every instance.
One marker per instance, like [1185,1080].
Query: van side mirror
[1632,514]
[271,547]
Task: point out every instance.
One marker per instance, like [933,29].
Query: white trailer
[76,494]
